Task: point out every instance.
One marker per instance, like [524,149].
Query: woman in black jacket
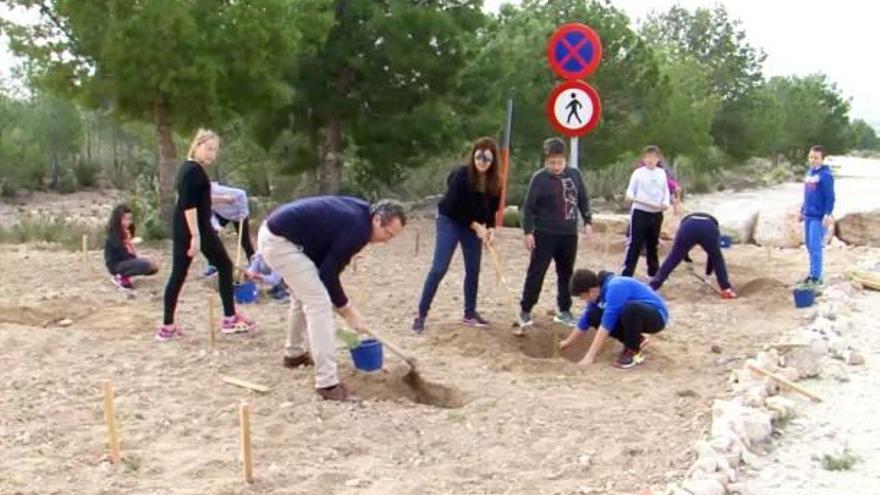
[119,255]
[466,216]
[192,232]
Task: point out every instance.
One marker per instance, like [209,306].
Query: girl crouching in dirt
[119,254]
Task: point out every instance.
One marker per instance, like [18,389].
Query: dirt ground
[513,417]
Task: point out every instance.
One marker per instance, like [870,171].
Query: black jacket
[463,204]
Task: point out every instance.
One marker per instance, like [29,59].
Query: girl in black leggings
[192,232]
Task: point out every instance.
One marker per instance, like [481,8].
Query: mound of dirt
[401,384]
[760,285]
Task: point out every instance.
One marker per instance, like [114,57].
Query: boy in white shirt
[648,192]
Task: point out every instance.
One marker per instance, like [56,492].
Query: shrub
[86,173]
[512,218]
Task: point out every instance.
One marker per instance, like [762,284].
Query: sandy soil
[507,415]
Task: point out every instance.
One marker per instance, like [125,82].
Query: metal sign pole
[573,158]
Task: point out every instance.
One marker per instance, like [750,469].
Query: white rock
[704,487]
[749,424]
[585,460]
[837,371]
[705,464]
[769,360]
[853,358]
[610,223]
[807,360]
[781,406]
[738,219]
[756,425]
[779,227]
[754,396]
[65,322]
[727,444]
[837,346]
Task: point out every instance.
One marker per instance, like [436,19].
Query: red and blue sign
[574,51]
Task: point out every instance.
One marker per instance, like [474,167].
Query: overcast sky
[800,37]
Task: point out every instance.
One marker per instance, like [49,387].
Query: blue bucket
[804,298]
[368,355]
[245,292]
[725,241]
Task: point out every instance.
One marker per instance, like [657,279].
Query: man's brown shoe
[295,362]
[337,393]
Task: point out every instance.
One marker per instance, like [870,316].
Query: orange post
[505,165]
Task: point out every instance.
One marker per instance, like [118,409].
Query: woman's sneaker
[167,332]
[474,320]
[237,324]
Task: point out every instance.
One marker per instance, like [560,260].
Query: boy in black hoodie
[555,196]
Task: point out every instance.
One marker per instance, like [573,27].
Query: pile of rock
[745,422]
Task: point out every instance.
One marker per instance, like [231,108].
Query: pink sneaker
[121,282]
[237,324]
[166,332]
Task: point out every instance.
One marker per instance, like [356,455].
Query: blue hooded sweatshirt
[818,192]
[615,293]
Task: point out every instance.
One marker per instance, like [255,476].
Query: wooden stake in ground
[245,384]
[238,248]
[246,454]
[418,240]
[211,319]
[110,419]
[785,382]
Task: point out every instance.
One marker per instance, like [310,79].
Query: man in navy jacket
[309,242]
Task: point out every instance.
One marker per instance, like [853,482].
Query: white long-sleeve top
[649,185]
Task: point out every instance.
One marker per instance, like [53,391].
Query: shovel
[411,361]
[703,279]
[496,261]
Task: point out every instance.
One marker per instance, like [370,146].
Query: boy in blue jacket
[816,211]
[621,307]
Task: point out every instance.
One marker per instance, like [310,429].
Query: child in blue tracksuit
[816,211]
[621,307]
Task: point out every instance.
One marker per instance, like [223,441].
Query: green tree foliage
[680,121]
[733,68]
[39,142]
[813,112]
[716,41]
[374,91]
[179,64]
[864,136]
